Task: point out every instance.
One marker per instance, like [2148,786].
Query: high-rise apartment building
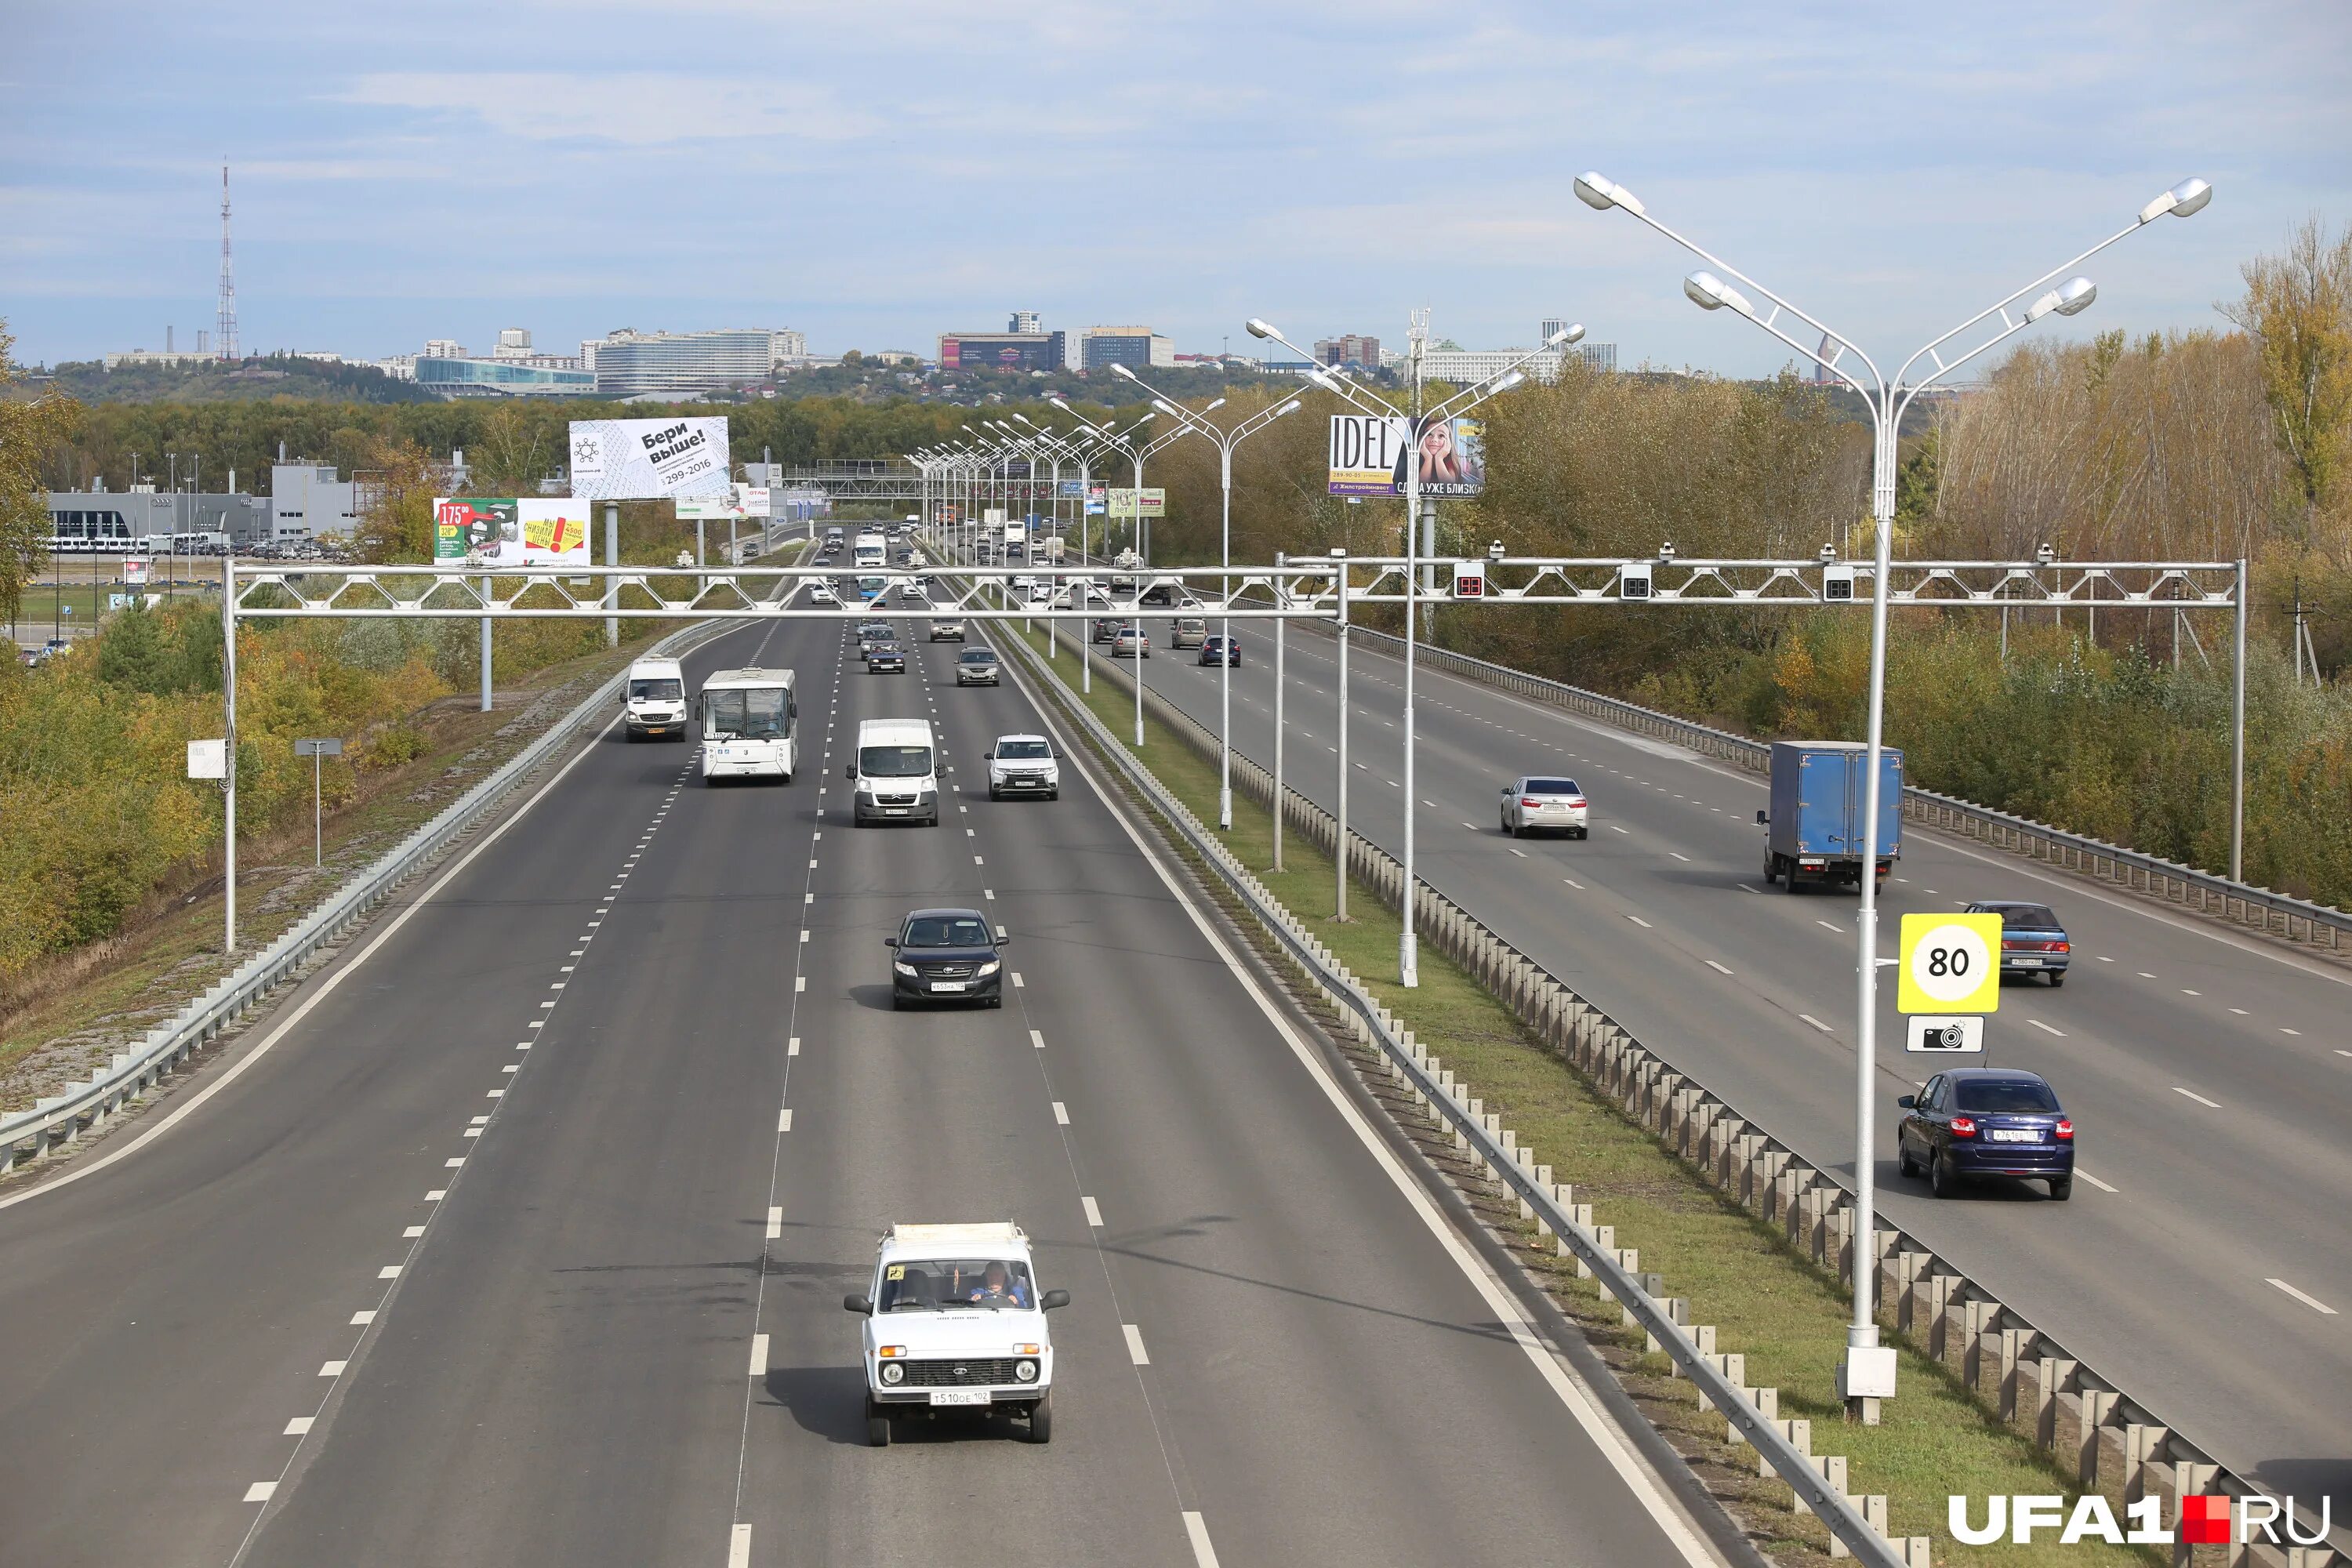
[1353,349]
[1138,348]
[1025,323]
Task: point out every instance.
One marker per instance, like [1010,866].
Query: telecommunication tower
[224,328]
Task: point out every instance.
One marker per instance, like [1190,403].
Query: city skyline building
[1138,348]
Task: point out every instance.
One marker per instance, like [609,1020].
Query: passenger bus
[749,720]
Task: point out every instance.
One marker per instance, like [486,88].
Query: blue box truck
[1813,832]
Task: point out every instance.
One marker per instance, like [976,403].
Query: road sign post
[315,749]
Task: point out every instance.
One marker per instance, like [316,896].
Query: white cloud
[634,107]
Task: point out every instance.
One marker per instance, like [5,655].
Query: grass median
[1785,1315]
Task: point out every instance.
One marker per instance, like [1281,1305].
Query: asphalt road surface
[2203,1260]
[518,1233]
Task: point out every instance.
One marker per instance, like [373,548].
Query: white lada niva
[955,1322]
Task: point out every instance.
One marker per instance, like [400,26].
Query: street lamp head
[2071,298]
[1601,192]
[1289,407]
[1571,333]
[1162,405]
[1259,328]
[2186,199]
[1060,405]
[1505,382]
[1213,408]
[1325,380]
[1119,369]
[1709,293]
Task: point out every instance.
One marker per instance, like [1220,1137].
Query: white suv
[955,1320]
[1024,765]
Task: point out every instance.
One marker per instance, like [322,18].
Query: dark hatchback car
[1986,1122]
[1221,650]
[2031,941]
[946,955]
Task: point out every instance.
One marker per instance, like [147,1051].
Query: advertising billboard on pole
[650,460]
[1153,503]
[1367,453]
[501,531]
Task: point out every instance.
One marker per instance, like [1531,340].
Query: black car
[946,955]
[2031,941]
[886,655]
[1986,1122]
[1221,650]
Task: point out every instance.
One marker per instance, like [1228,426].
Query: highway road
[2203,1260]
[518,1233]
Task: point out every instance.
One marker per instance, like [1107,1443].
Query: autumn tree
[29,429]
[2298,310]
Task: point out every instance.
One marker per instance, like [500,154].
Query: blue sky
[876,173]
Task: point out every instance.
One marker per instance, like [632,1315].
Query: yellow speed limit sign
[1950,963]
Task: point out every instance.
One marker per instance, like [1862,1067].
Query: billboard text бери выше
[650,460]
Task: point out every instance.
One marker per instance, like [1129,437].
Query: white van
[653,701]
[896,775]
[750,720]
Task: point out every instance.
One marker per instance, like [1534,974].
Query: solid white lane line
[1816,1022]
[739,1547]
[2193,1094]
[775,1223]
[1135,1350]
[2046,1029]
[2314,1302]
[1061,1114]
[784,1119]
[1196,1531]
[1716,967]
[759,1355]
[1094,1214]
[2093,1180]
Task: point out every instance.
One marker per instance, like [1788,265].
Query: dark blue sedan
[2031,941]
[1986,1122]
[1221,650]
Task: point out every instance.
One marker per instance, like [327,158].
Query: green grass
[1787,1315]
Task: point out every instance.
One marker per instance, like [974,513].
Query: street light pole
[1867,1373]
[1414,423]
[1225,440]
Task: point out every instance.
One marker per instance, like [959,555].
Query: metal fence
[58,1120]
[2109,1441]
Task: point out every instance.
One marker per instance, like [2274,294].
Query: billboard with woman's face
[1451,456]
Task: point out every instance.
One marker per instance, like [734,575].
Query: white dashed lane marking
[2193,1094]
[1135,1344]
[2314,1302]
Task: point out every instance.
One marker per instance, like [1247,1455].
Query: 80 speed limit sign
[1950,963]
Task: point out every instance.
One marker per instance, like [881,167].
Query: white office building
[631,363]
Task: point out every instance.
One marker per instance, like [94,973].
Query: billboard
[739,502]
[510,532]
[1155,502]
[648,460]
[1368,453]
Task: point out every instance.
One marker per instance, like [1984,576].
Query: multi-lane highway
[519,1234]
[2203,1258]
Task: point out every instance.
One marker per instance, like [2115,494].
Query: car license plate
[2014,1135]
[959,1396]
[2027,962]
[946,985]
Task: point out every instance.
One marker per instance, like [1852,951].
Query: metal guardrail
[2298,920]
[58,1120]
[2116,1443]
[1498,1151]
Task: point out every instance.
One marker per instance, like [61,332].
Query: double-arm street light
[1085,440]
[1414,421]
[1129,443]
[1225,439]
[1868,1372]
